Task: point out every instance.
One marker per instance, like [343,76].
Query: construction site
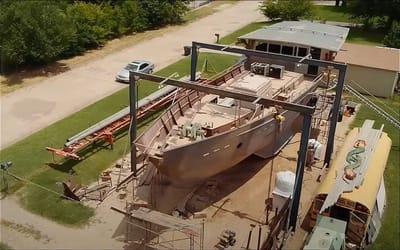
[277,202]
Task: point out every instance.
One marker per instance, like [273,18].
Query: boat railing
[226,75]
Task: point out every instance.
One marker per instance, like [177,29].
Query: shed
[371,69]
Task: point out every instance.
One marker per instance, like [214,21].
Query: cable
[37,185]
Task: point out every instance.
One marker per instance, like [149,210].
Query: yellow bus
[362,207]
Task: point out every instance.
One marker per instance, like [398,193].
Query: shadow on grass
[67,164]
[366,36]
[17,76]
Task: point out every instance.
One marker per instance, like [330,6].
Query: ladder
[373,106]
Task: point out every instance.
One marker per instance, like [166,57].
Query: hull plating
[210,156]
[199,159]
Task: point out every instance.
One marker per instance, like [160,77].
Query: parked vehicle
[137,65]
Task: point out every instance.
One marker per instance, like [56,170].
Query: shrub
[287,9]
[33,32]
[41,31]
[90,23]
[392,39]
[130,17]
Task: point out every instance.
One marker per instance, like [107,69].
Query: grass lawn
[32,162]
[232,37]
[369,37]
[4,246]
[205,10]
[333,13]
[389,234]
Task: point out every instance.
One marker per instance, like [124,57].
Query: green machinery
[328,233]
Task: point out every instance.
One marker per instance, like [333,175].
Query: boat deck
[221,114]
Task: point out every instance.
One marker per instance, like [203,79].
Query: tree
[388,10]
[130,17]
[161,12]
[34,32]
[287,9]
[91,25]
[392,39]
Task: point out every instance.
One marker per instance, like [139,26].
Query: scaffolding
[162,231]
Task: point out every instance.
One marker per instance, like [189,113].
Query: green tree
[161,12]
[287,9]
[392,39]
[130,17]
[91,25]
[388,10]
[33,32]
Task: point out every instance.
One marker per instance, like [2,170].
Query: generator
[276,71]
[260,68]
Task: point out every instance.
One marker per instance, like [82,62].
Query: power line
[37,185]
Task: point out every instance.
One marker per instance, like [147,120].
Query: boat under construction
[200,134]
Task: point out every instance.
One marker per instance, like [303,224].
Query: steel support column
[301,162]
[132,103]
[335,115]
[193,63]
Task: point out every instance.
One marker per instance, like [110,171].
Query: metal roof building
[324,36]
[298,38]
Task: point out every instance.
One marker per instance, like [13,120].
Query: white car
[137,65]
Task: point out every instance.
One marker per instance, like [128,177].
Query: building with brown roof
[370,69]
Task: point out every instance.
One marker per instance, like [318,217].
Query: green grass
[360,35]
[205,10]
[389,234]
[232,37]
[4,246]
[28,230]
[32,162]
[333,13]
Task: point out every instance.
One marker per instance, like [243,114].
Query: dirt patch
[26,229]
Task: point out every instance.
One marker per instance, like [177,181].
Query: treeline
[42,31]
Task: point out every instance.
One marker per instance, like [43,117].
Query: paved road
[32,108]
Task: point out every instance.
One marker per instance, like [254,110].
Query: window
[357,217]
[287,50]
[144,65]
[262,47]
[302,51]
[318,205]
[274,48]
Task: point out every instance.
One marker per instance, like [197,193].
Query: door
[315,54]
[356,227]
